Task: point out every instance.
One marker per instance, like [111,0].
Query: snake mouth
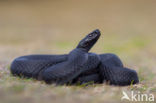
[88,42]
[93,36]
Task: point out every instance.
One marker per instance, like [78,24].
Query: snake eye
[90,35]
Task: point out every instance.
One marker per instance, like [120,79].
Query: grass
[55,27]
[14,89]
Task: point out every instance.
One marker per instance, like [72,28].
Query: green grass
[15,89]
[55,27]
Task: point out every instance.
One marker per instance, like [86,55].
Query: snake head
[87,42]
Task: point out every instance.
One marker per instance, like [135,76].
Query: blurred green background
[128,29]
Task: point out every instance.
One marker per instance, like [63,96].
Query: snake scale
[78,66]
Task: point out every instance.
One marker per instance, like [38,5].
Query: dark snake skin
[78,66]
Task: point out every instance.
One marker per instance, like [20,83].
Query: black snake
[79,66]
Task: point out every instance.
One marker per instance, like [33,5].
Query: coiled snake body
[79,66]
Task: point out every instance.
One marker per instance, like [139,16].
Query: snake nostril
[97,31]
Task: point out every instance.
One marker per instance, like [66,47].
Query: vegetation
[55,27]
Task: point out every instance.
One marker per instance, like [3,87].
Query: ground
[55,27]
